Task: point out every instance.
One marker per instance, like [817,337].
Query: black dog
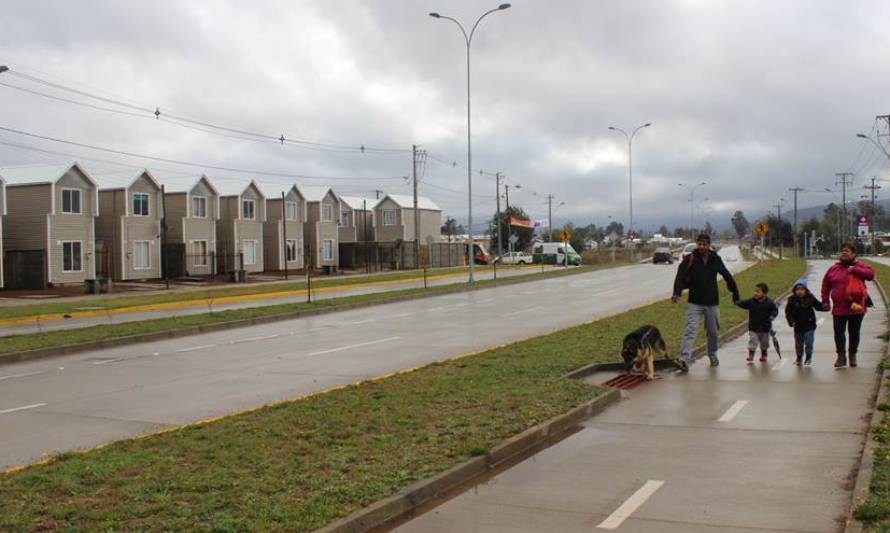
[639,350]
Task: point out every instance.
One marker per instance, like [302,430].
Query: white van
[552,253]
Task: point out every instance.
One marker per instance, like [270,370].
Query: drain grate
[625,381]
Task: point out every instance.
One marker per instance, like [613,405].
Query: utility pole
[416,211]
[497,196]
[507,210]
[778,207]
[377,193]
[549,217]
[164,238]
[795,190]
[844,179]
[871,221]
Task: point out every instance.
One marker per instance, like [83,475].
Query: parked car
[689,248]
[515,258]
[553,253]
[662,255]
[481,256]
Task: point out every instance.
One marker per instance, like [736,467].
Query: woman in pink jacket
[847,305]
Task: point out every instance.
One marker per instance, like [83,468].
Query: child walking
[800,313]
[761,313]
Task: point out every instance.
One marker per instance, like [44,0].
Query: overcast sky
[752,97]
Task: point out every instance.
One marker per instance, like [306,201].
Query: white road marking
[486,301]
[638,498]
[401,315]
[732,411]
[254,339]
[22,408]
[106,361]
[194,348]
[529,310]
[14,376]
[364,321]
[351,346]
[820,321]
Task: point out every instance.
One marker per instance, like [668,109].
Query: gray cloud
[753,97]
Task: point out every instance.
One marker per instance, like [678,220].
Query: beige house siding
[274,234]
[27,207]
[389,233]
[175,213]
[317,231]
[430,225]
[71,228]
[234,231]
[108,228]
[183,227]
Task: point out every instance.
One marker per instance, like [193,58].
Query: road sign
[513,239]
[761,229]
[566,235]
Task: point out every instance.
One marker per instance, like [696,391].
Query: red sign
[863,220]
[521,222]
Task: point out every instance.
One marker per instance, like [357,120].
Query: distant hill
[809,213]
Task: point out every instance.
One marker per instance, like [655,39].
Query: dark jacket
[760,314]
[701,279]
[801,312]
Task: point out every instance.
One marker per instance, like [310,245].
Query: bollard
[494,265]
[424,278]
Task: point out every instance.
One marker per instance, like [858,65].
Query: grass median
[875,511]
[298,465]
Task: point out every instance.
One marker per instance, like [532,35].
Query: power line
[189,163]
[156,113]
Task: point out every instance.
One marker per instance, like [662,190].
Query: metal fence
[399,255]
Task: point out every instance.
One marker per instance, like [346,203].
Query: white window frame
[327,249]
[147,255]
[344,217]
[253,242]
[195,206]
[327,213]
[79,202]
[147,204]
[200,259]
[80,244]
[287,250]
[252,203]
[386,214]
[287,211]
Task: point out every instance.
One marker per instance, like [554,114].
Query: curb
[13,357]
[865,468]
[409,498]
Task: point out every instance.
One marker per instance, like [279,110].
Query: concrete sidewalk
[762,447]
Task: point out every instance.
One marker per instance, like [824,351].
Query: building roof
[38,174]
[272,190]
[237,187]
[406,201]
[315,193]
[357,203]
[176,184]
[124,181]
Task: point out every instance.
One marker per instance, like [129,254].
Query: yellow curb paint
[164,306]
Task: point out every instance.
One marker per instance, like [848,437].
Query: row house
[192,209]
[356,219]
[283,230]
[242,215]
[394,217]
[49,233]
[128,228]
[321,231]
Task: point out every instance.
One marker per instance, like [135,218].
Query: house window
[71,201]
[291,250]
[290,210]
[327,213]
[199,206]
[72,256]
[141,255]
[389,217]
[247,209]
[248,248]
[199,253]
[327,247]
[344,218]
[140,204]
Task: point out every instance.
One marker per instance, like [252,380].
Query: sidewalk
[762,447]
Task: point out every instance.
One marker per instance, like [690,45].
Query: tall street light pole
[468,38]
[630,173]
[691,189]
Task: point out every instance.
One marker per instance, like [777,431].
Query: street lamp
[691,189]
[468,38]
[630,175]
[864,136]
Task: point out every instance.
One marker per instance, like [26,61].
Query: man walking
[698,273]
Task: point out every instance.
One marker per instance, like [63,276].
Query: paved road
[200,306]
[90,398]
[741,448]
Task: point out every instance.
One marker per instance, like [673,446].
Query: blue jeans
[803,341]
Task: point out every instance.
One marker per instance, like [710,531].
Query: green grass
[875,511]
[298,465]
[116,302]
[67,337]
